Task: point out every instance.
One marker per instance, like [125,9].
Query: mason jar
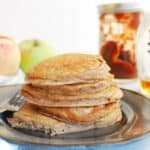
[119,23]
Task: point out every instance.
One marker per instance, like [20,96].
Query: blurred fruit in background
[33,52]
[9,56]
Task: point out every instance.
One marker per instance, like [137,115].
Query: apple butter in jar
[119,23]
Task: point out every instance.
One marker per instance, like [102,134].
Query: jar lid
[119,7]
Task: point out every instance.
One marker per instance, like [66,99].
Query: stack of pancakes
[69,93]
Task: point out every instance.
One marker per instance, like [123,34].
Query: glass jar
[118,27]
[143,55]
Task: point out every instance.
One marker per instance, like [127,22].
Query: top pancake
[68,69]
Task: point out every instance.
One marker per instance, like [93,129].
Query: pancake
[39,122]
[39,101]
[79,115]
[72,89]
[69,69]
[69,93]
[112,92]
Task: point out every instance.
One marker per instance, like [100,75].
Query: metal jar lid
[119,7]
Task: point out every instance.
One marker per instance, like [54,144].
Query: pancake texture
[96,98]
[76,103]
[79,115]
[28,117]
[72,89]
[69,69]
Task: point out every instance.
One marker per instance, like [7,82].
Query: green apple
[33,52]
[9,56]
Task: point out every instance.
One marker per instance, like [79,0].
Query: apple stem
[35,43]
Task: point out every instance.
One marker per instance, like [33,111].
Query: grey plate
[135,123]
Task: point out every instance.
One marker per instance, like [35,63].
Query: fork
[14,103]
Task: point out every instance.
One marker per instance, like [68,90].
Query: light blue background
[139,144]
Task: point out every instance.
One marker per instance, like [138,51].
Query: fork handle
[12,107]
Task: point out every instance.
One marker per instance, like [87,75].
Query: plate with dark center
[135,124]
